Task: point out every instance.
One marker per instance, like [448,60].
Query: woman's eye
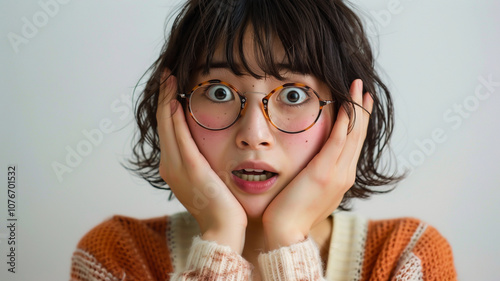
[220,93]
[293,96]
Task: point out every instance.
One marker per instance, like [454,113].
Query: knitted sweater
[169,248]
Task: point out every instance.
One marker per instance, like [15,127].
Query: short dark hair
[323,38]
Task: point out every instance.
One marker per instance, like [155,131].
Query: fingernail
[360,83]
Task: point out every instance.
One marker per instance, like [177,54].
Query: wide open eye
[293,96]
[219,93]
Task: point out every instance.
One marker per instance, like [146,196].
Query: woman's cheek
[311,140]
[211,144]
[300,150]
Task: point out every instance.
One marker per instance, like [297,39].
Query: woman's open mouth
[254,181]
[253,174]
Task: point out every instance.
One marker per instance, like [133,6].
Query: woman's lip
[254,187]
[256,165]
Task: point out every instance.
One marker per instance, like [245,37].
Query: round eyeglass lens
[215,106]
[293,108]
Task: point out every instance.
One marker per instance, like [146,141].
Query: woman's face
[254,143]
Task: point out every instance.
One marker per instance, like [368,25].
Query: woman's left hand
[319,188]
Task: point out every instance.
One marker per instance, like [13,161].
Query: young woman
[263,117]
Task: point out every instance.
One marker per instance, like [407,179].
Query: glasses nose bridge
[261,102]
[253,92]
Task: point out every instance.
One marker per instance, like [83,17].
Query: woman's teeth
[253,174]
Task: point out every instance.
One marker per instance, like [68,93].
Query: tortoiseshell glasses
[291,108]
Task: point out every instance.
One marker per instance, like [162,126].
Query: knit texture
[209,261]
[347,248]
[406,250]
[300,261]
[169,248]
[123,249]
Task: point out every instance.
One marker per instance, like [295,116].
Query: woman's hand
[195,184]
[319,188]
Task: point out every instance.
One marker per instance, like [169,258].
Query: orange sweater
[123,248]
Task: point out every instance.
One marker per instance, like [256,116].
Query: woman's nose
[254,130]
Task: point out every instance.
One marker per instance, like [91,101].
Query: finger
[336,141]
[365,112]
[354,138]
[195,165]
[188,149]
[168,144]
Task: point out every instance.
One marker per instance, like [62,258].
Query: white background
[80,64]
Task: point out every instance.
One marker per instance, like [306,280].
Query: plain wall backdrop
[67,73]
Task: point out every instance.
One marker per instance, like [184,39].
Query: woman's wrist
[279,237]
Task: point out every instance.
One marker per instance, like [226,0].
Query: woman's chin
[254,207]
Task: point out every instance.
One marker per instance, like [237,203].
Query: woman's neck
[255,240]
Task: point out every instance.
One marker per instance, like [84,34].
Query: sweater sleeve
[428,256]
[123,248]
[299,261]
[406,249]
[208,260]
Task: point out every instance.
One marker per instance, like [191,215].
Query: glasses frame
[263,104]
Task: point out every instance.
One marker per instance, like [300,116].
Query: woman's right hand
[195,184]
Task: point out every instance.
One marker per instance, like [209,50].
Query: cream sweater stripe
[345,261]
[89,268]
[182,227]
[410,266]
